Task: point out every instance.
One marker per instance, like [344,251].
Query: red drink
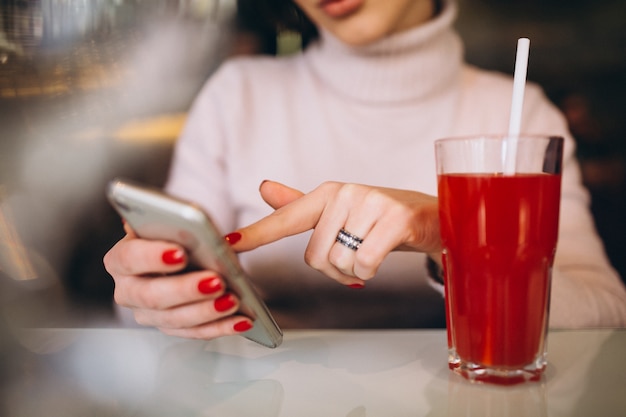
[499,235]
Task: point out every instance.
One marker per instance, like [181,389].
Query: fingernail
[173,256]
[262,182]
[242,326]
[224,303]
[233,238]
[210,285]
[356,285]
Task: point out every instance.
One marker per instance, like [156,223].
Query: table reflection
[331,373]
[467,399]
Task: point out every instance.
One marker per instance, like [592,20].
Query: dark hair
[280,15]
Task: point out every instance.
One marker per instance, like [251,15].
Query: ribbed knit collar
[410,65]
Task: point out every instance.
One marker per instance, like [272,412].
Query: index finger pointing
[296,217]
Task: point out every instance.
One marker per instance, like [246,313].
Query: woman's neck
[406,66]
[421,13]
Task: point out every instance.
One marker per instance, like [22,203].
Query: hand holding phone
[155,215]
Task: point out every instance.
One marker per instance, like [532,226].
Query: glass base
[500,375]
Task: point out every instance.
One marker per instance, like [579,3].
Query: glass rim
[498,137]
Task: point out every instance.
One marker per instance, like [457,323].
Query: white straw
[515,121]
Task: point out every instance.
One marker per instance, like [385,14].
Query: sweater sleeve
[586,290]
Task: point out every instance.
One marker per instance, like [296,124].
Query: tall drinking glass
[499,213]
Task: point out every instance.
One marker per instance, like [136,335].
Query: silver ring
[349,240]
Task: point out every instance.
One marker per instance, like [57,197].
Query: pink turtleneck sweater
[370,115]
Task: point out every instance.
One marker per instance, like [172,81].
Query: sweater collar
[410,65]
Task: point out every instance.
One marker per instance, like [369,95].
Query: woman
[362,105]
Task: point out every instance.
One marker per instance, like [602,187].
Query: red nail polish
[173,256]
[242,326]
[210,285]
[356,285]
[224,303]
[233,238]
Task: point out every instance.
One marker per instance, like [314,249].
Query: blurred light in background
[89,90]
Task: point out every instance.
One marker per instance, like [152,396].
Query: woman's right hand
[151,281]
[386,220]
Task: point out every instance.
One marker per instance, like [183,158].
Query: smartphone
[152,214]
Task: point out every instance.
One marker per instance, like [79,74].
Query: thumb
[277,195]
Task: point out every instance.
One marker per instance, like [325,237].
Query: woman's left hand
[385,219]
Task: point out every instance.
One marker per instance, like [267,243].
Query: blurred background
[93,89]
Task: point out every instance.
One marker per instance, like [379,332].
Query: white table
[114,372]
